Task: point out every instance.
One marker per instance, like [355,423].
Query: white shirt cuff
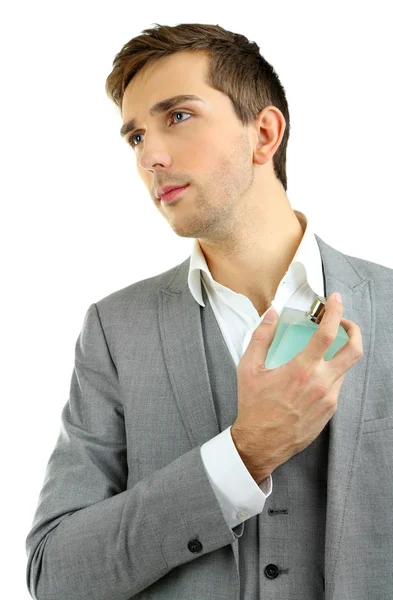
[239,495]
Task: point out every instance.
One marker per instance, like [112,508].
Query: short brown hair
[236,68]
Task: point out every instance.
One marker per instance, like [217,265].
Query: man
[161,481]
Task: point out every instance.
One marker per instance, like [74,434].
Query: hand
[281,411]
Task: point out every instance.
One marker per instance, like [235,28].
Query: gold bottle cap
[315,313]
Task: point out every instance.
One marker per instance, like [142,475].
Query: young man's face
[202,144]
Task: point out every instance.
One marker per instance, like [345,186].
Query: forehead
[181,72]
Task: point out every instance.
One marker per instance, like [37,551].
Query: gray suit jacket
[125,490]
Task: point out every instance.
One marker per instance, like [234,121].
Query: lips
[173,194]
[168,188]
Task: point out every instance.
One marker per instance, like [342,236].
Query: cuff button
[194,546]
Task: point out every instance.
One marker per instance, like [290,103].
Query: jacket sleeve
[92,537]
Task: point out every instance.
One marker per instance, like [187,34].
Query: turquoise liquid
[293,333]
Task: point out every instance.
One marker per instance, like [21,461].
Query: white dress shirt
[239,495]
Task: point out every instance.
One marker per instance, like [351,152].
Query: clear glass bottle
[295,328]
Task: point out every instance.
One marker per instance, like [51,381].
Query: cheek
[194,155]
[145,176]
[203,148]
[208,157]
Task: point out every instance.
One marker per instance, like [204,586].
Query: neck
[254,260]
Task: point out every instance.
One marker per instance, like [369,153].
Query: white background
[77,224]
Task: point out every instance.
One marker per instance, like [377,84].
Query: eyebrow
[160,107]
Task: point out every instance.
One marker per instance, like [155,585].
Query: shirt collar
[307,255]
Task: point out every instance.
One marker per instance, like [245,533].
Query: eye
[176,112]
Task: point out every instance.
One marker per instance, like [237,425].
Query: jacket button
[272,571]
[194,546]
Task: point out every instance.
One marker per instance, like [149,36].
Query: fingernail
[338,297]
[270,317]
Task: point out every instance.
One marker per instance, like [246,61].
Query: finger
[350,353]
[261,340]
[324,336]
[332,396]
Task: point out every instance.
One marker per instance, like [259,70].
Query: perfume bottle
[294,329]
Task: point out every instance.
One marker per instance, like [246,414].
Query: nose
[154,154]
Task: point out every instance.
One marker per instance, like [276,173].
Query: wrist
[258,473]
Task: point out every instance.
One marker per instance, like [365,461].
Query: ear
[269,126]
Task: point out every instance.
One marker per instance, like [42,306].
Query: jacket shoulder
[141,294]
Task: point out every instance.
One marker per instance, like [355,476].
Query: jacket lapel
[345,427]
[184,353]
[183,348]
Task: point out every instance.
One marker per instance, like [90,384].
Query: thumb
[270,316]
[264,333]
